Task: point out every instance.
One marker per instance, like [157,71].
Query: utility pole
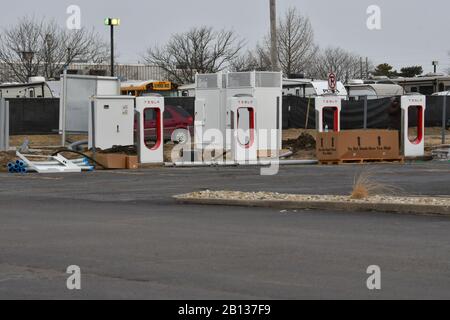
[273,35]
[367,67]
[361,71]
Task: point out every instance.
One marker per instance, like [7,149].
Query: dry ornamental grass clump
[365,186]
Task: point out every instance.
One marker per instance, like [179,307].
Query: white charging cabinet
[111,122]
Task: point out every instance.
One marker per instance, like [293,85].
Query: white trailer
[308,88]
[36,88]
[373,91]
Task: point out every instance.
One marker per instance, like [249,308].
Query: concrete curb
[329,205]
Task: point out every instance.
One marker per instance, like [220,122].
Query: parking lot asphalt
[132,240]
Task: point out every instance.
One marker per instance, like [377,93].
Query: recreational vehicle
[311,88]
[427,84]
[36,88]
[373,91]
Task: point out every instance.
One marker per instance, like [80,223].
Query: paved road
[132,240]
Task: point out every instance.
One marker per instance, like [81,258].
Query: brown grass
[365,186]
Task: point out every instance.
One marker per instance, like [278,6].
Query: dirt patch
[301,142]
[304,142]
[36,141]
[5,158]
[295,133]
[433,137]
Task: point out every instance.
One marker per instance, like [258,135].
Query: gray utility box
[111,122]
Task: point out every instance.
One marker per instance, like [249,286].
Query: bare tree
[201,50]
[296,46]
[18,48]
[345,64]
[62,47]
[256,60]
[43,47]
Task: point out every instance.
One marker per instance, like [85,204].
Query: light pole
[273,35]
[112,22]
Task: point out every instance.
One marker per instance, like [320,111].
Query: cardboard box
[132,162]
[112,160]
[358,144]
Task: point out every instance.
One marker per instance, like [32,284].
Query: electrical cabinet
[111,122]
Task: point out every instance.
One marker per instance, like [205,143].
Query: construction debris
[54,164]
[441,153]
[304,142]
[17,167]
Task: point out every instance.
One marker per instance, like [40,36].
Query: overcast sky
[414,32]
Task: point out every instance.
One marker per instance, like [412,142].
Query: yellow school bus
[140,88]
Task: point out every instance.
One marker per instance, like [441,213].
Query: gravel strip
[273,196]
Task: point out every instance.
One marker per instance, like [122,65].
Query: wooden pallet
[361,161]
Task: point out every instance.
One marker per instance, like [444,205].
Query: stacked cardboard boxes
[358,145]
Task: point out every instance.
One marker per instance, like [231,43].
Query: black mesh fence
[41,115]
[33,116]
[383,113]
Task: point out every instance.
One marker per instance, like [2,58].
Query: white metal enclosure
[153,105]
[111,122]
[413,147]
[210,109]
[266,89]
[4,125]
[76,94]
[333,104]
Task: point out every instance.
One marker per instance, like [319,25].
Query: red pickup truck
[176,120]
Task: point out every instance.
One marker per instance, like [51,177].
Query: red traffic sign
[332,82]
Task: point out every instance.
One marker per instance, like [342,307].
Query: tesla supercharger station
[413,147]
[266,90]
[242,115]
[328,103]
[150,115]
